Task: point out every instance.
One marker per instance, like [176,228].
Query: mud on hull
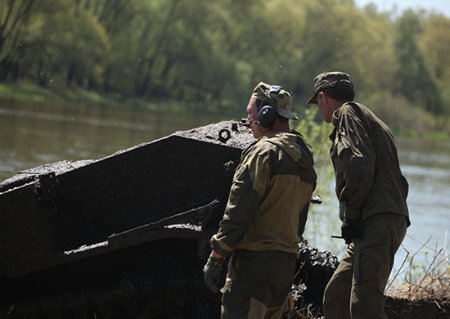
[124,236]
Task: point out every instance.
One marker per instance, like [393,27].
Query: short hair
[259,104]
[340,94]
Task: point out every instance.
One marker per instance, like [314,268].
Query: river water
[426,165]
[33,134]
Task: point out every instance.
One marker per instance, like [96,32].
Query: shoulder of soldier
[298,136]
[353,109]
[259,147]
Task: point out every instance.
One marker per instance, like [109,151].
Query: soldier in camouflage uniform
[266,211]
[372,200]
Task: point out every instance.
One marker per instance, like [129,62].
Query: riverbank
[53,94]
[25,91]
[413,123]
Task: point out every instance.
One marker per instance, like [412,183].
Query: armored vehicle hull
[123,236]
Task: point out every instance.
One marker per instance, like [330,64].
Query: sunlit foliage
[209,54]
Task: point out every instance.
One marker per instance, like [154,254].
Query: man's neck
[281,127]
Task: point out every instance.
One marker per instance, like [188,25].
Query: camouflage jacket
[269,198]
[364,155]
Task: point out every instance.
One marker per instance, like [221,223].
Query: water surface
[33,134]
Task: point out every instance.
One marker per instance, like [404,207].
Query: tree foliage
[209,54]
[415,80]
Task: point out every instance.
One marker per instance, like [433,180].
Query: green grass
[404,120]
[31,92]
[25,91]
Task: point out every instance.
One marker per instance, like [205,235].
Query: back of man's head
[336,85]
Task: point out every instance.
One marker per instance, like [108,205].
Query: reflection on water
[426,165]
[33,134]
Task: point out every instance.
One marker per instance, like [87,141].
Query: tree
[13,18]
[435,42]
[415,81]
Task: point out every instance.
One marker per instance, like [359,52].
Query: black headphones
[267,114]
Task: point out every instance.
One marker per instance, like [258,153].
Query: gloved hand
[350,229]
[212,271]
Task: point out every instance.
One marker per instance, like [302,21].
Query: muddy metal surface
[126,236]
[120,236]
[60,207]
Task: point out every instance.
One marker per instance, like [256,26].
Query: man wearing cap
[266,212]
[372,200]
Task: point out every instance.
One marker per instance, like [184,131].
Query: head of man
[268,110]
[331,90]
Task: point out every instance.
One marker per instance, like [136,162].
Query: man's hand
[350,229]
[212,271]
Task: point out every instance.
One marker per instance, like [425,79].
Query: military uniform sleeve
[249,184]
[302,220]
[354,148]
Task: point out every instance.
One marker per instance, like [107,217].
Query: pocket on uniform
[233,265]
[372,261]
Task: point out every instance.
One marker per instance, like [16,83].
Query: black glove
[350,229]
[212,271]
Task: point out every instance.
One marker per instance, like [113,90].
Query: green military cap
[330,80]
[275,96]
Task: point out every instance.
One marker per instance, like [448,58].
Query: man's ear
[320,95]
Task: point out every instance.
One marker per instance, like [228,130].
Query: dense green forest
[207,55]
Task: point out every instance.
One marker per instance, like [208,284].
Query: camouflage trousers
[356,290]
[257,284]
